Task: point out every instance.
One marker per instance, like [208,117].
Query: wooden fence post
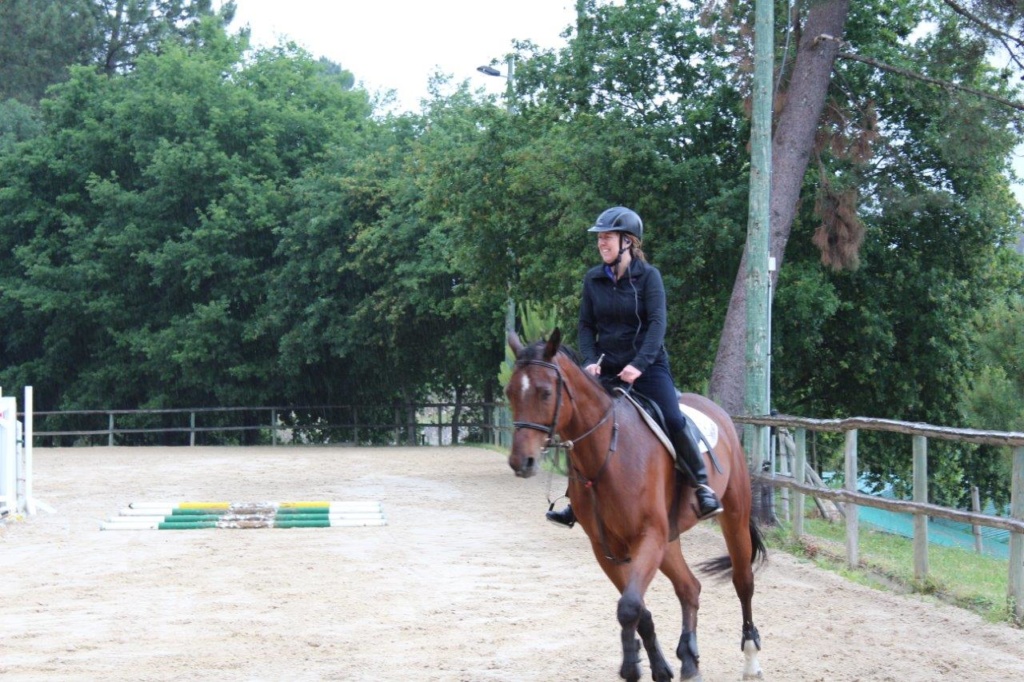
[920,495]
[782,462]
[799,471]
[975,528]
[1016,582]
[110,429]
[852,521]
[192,429]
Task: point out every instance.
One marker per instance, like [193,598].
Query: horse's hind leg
[687,589]
[743,541]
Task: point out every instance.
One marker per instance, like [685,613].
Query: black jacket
[624,320]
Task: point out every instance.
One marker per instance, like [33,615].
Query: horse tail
[759,555]
[723,564]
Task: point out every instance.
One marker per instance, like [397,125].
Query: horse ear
[554,341]
[514,342]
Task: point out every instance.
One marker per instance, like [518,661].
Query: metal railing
[394,424]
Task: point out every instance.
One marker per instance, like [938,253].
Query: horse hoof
[630,673]
[758,676]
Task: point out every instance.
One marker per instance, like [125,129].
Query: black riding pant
[656,383]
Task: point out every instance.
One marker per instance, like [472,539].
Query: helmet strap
[618,259]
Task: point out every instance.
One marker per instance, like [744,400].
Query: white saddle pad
[704,424]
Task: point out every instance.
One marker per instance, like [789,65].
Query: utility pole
[758,227]
[510,96]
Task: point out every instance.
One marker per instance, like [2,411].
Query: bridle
[553,440]
[549,429]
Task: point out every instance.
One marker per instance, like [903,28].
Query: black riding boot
[564,517]
[688,454]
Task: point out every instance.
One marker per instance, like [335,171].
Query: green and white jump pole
[198,515]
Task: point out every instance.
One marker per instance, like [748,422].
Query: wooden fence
[919,507]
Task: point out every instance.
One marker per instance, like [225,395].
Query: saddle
[703,429]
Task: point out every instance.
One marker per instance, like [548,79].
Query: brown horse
[631,502]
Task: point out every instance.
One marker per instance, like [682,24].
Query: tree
[131,28]
[995,400]
[41,39]
[874,170]
[638,109]
[912,215]
[792,142]
[138,227]
[38,41]
[800,126]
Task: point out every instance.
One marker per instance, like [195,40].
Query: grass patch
[963,578]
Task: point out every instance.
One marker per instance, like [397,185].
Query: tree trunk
[792,143]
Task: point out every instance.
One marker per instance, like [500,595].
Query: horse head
[534,395]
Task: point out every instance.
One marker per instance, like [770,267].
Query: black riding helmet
[619,219]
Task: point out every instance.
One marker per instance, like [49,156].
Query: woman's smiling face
[608,245]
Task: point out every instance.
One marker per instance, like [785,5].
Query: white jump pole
[31,503]
[8,446]
[16,491]
[26,449]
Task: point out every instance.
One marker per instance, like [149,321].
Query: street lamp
[509,75]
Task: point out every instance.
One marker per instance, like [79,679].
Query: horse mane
[535,352]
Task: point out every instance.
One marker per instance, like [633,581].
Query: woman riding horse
[622,335]
[630,497]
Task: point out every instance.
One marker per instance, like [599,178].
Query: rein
[554,441]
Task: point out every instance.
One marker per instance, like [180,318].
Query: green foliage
[626,114]
[895,337]
[535,323]
[996,399]
[18,122]
[41,39]
[139,224]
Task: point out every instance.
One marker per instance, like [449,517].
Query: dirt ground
[467,581]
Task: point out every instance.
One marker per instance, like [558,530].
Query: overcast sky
[398,44]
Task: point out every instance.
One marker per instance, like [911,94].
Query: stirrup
[703,512]
[564,517]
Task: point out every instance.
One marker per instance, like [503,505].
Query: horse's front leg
[661,671]
[633,616]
